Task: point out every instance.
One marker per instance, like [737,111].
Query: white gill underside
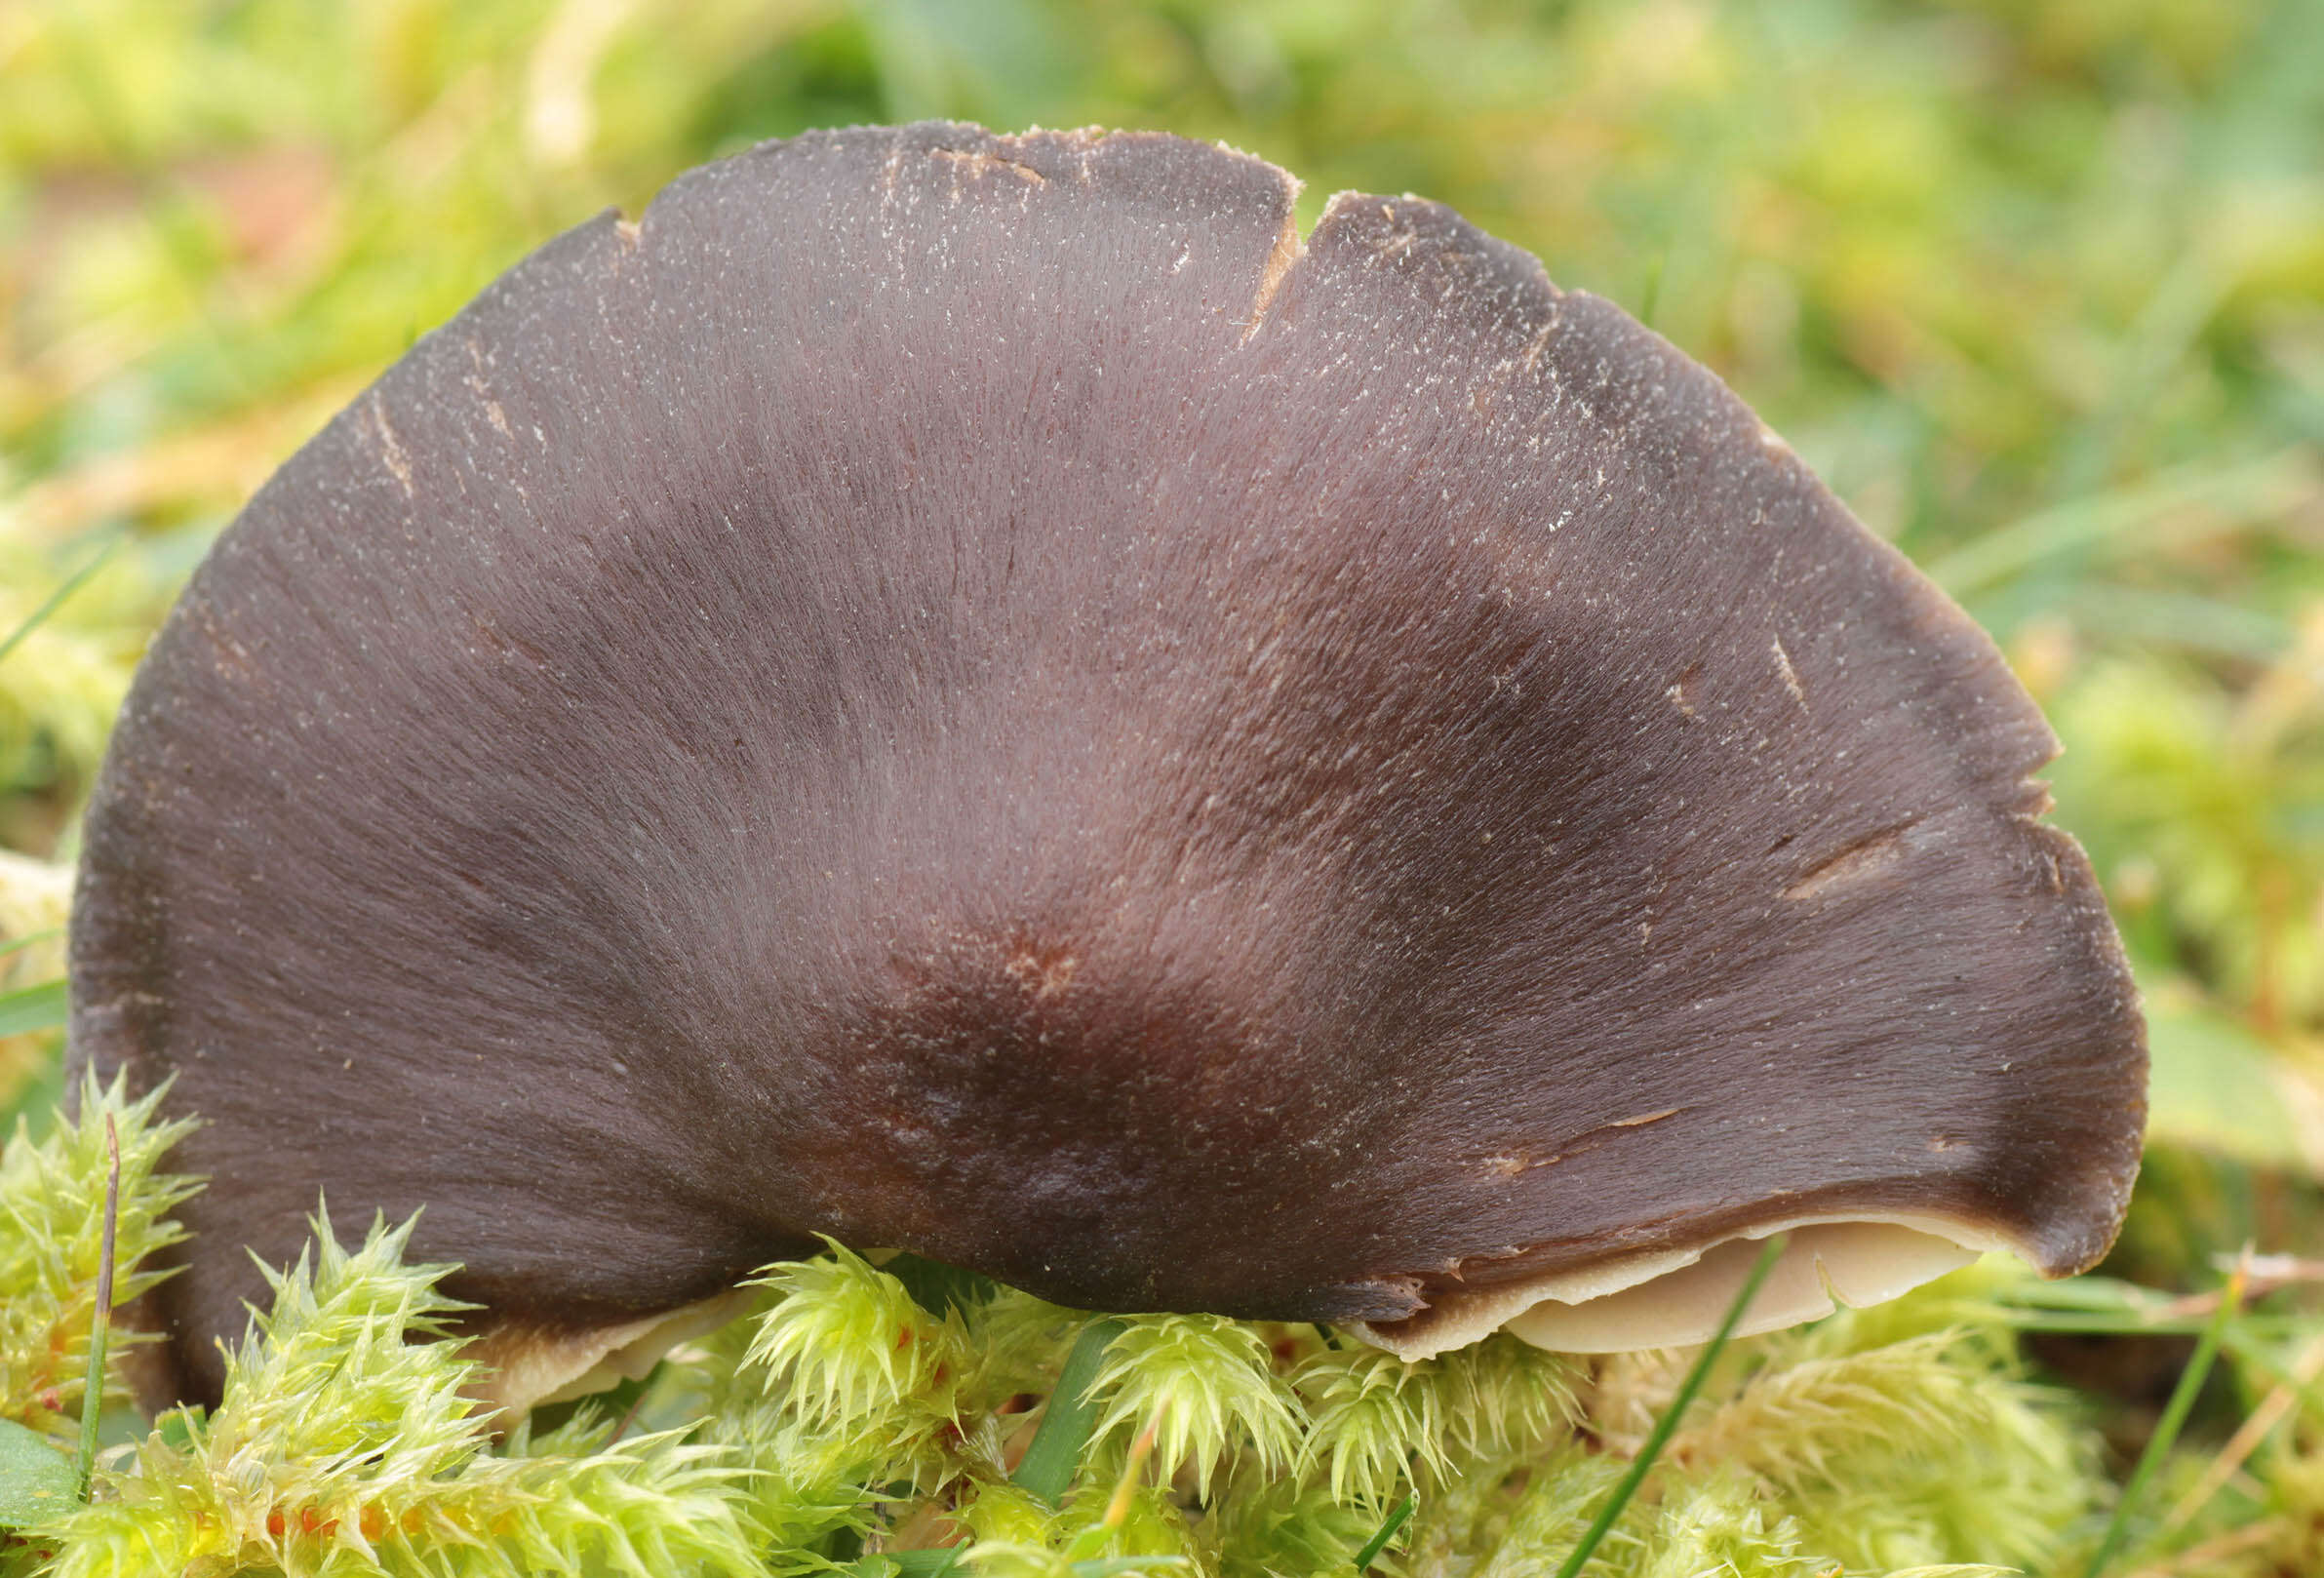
[519,1369]
[1674,1297]
[1666,1299]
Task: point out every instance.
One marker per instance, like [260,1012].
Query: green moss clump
[873,1419]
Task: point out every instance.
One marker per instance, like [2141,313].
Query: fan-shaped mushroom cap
[972,693]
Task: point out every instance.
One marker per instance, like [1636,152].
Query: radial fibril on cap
[965,693]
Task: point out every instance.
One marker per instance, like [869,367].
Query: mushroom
[977,694]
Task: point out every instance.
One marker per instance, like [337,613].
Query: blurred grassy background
[2039,287]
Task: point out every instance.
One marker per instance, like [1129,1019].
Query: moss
[845,1423]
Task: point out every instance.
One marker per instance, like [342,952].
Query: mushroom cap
[972,693]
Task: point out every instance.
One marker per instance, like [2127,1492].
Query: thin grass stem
[1644,1464]
[2166,1429]
[93,1388]
[1388,1532]
[55,599]
[28,939]
[2272,1410]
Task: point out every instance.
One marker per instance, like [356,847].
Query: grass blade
[2166,1428]
[92,1390]
[32,1008]
[1379,1542]
[36,1480]
[1641,1465]
[909,1563]
[55,599]
[1048,1465]
[19,944]
[2213,499]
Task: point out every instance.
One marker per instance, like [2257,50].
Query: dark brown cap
[972,693]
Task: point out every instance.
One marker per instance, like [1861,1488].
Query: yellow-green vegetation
[856,1421]
[2038,287]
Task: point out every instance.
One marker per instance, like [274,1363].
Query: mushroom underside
[1663,1298]
[1667,1298]
[520,1367]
